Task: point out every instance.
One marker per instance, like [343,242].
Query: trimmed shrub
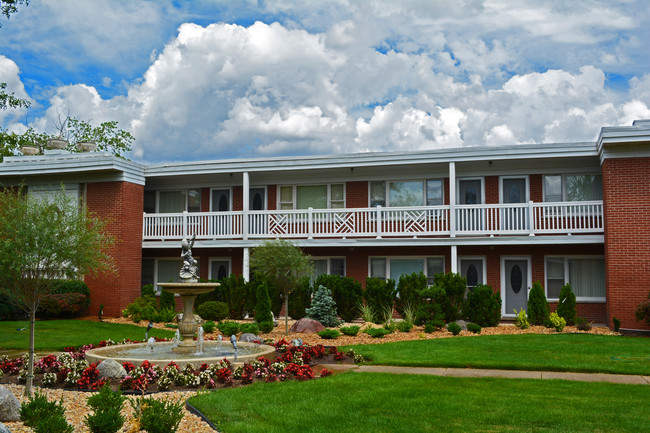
[346,292]
[299,300]
[265,327]
[107,407]
[350,330]
[142,308]
[323,307]
[427,312]
[408,288]
[44,416]
[67,298]
[566,306]
[379,296]
[617,324]
[167,301]
[233,292]
[583,324]
[158,415]
[263,304]
[165,315]
[538,309]
[454,286]
[249,328]
[228,328]
[208,326]
[377,332]
[521,321]
[433,325]
[473,327]
[404,326]
[454,328]
[483,306]
[643,311]
[147,290]
[558,322]
[206,297]
[213,310]
[329,334]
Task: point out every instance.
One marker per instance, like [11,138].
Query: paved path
[511,374]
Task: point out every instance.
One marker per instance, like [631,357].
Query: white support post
[454,259]
[531,219]
[452,201]
[310,223]
[246,265]
[184,224]
[246,200]
[379,222]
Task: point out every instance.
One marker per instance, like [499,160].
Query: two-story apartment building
[504,216]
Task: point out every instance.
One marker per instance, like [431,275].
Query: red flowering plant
[89,376]
[47,364]
[282,345]
[223,374]
[325,372]
[128,366]
[11,366]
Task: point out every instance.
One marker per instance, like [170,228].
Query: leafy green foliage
[538,308]
[158,415]
[107,136]
[429,311]
[249,328]
[142,308]
[408,288]
[404,326]
[377,332]
[643,311]
[451,302]
[350,330]
[208,327]
[44,416]
[433,325]
[473,327]
[454,328]
[167,301]
[8,7]
[9,99]
[147,290]
[228,328]
[521,321]
[299,300]
[213,310]
[346,292]
[483,306]
[379,296]
[323,307]
[566,306]
[265,327]
[583,324]
[263,304]
[107,406]
[329,334]
[234,291]
[558,322]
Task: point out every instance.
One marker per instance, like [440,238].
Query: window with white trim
[406,193]
[167,271]
[586,274]
[395,267]
[328,196]
[176,201]
[328,266]
[220,268]
[570,187]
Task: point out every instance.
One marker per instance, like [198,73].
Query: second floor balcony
[557,218]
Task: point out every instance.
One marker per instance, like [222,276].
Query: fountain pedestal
[187,327]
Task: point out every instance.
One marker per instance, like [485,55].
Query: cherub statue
[188,270]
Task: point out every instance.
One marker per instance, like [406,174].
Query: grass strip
[553,352]
[373,402]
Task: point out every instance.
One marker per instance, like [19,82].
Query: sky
[204,80]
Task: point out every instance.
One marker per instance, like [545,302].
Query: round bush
[329,334]
[228,328]
[208,326]
[249,328]
[454,328]
[265,327]
[213,310]
[350,330]
[473,327]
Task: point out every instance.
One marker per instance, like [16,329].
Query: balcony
[562,218]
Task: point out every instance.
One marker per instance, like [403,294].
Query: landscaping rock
[249,338]
[4,428]
[462,324]
[9,406]
[307,326]
[111,369]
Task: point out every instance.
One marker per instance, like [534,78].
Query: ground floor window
[586,274]
[395,267]
[220,268]
[328,266]
[167,271]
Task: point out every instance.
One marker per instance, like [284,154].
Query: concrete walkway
[508,374]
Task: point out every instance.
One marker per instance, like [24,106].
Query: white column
[246,200]
[454,259]
[452,200]
[246,265]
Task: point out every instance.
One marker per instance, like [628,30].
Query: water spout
[176,339]
[150,343]
[146,334]
[233,340]
[199,341]
[220,339]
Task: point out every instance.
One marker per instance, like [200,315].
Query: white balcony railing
[463,220]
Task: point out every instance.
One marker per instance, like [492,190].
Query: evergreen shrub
[433,325]
[329,334]
[643,311]
[454,328]
[234,292]
[107,406]
[566,306]
[263,304]
[473,327]
[147,290]
[213,310]
[538,308]
[404,326]
[249,328]
[299,300]
[558,322]
[454,287]
[428,311]
[483,306]
[379,296]
[350,330]
[377,332]
[408,288]
[208,327]
[346,292]
[265,327]
[228,328]
[167,301]
[323,307]
[617,324]
[44,416]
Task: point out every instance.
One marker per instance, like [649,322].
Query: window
[586,274]
[406,193]
[179,201]
[473,268]
[257,199]
[220,200]
[330,196]
[395,267]
[573,187]
[167,271]
[328,266]
[219,268]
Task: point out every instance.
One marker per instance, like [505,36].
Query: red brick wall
[627,237]
[237,198]
[205,199]
[121,203]
[536,190]
[356,194]
[491,189]
[272,198]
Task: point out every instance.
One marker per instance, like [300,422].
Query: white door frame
[529,281]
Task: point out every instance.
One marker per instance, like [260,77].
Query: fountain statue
[188,289]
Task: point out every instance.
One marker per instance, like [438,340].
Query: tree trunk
[30,366]
[286,313]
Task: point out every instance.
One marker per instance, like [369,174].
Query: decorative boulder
[4,428]
[306,326]
[249,338]
[111,369]
[462,324]
[9,406]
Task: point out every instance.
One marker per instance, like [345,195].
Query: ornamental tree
[283,265]
[42,239]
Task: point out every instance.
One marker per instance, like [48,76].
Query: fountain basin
[163,354]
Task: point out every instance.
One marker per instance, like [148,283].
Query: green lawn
[556,352]
[54,335]
[373,402]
